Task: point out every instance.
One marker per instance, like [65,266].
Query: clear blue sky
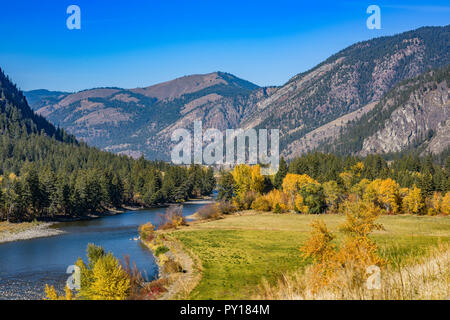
[141,42]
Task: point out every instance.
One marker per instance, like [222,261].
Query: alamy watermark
[74,20]
[235,146]
[74,280]
[374,20]
[373,282]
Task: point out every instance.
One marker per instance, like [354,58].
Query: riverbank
[178,283]
[10,232]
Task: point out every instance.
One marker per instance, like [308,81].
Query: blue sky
[137,43]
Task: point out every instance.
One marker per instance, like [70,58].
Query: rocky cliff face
[423,121]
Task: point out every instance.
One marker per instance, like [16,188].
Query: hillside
[349,80]
[136,121]
[413,115]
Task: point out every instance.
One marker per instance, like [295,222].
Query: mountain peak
[192,83]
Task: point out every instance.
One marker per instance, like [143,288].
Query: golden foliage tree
[435,204]
[356,254]
[384,193]
[111,282]
[446,204]
[413,202]
[275,199]
[293,183]
[333,194]
[51,294]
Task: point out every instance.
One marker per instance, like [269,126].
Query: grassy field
[239,251]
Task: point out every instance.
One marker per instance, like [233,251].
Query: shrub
[245,202]
[356,254]
[173,218]
[209,211]
[153,289]
[261,204]
[161,250]
[226,207]
[279,201]
[147,231]
[299,205]
[172,266]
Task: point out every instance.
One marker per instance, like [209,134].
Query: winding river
[26,266]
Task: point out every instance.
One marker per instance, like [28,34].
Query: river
[26,266]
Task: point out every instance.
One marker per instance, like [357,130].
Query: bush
[147,232]
[173,218]
[172,266]
[209,211]
[261,204]
[279,201]
[245,202]
[161,250]
[153,289]
[226,207]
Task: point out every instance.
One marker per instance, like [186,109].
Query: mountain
[354,78]
[415,114]
[311,109]
[139,121]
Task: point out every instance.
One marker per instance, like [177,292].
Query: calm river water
[26,266]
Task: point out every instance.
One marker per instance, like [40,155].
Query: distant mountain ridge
[131,121]
[309,109]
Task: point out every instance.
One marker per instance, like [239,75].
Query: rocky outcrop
[424,120]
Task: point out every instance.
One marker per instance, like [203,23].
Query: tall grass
[428,278]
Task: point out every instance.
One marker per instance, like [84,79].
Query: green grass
[237,252]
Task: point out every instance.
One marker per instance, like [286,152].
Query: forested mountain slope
[414,115]
[349,80]
[46,173]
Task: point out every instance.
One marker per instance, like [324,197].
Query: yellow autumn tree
[435,204]
[293,183]
[300,205]
[275,200]
[384,193]
[256,179]
[110,280]
[357,169]
[345,266]
[247,178]
[333,194]
[359,188]
[413,202]
[446,204]
[346,178]
[51,294]
[320,248]
[389,195]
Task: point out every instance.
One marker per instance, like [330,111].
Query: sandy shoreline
[39,231]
